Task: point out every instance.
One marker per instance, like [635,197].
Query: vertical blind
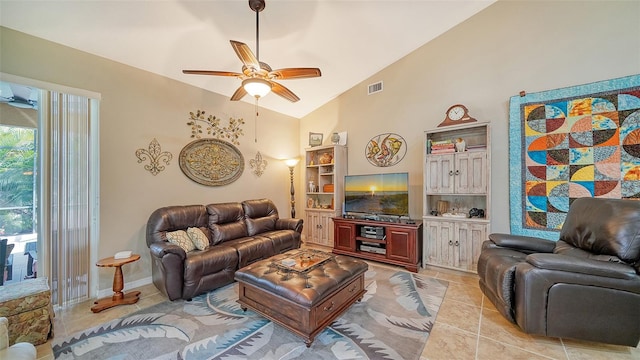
[67,196]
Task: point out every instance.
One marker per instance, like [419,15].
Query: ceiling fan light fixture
[256,87]
[257,76]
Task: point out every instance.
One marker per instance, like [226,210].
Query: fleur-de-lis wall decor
[231,132]
[154,154]
[258,164]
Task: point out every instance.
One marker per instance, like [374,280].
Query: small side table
[118,298]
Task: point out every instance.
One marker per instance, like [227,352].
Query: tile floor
[467,327]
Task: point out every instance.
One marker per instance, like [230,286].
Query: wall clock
[211,162]
[457,114]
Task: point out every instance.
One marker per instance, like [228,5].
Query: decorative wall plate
[386,149]
[211,162]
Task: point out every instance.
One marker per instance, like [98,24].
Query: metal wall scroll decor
[211,162]
[154,154]
[258,164]
[386,149]
[231,132]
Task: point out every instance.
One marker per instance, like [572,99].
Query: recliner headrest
[604,226]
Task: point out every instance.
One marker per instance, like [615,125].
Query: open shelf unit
[325,168]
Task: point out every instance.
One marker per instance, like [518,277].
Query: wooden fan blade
[239,94]
[212,72]
[295,73]
[245,54]
[284,92]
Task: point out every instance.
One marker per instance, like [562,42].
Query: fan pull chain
[255,124]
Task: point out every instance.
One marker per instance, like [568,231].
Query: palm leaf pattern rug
[393,321]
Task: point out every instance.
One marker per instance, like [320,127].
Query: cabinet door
[470,173]
[439,248]
[431,245]
[440,171]
[344,237]
[309,228]
[315,227]
[468,243]
[401,244]
[447,236]
[325,229]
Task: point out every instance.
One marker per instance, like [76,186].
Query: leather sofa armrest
[289,224]
[581,266]
[523,243]
[159,249]
[167,261]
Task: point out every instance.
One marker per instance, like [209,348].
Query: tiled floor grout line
[479,326]
[520,348]
[507,344]
[564,348]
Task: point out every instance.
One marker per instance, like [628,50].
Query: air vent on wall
[374,88]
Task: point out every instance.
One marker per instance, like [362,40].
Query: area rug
[393,321]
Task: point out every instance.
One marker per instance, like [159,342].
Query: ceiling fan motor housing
[256,5]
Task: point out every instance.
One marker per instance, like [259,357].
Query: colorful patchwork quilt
[572,147]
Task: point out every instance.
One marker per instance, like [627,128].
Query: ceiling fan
[257,77]
[21,96]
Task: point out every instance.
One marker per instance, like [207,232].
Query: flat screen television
[377,194]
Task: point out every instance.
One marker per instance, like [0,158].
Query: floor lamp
[291,163]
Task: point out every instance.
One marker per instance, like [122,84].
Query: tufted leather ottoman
[304,302]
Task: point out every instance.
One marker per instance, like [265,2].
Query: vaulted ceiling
[348,40]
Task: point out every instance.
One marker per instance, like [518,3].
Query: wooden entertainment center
[397,242]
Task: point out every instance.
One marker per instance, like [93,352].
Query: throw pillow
[198,238]
[181,239]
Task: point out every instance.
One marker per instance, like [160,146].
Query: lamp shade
[291,162]
[256,87]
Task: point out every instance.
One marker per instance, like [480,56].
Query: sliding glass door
[49,181]
[18,180]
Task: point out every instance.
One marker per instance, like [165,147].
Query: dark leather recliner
[239,234]
[585,286]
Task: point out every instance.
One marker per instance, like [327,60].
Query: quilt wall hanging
[580,141]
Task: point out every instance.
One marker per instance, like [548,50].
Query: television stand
[396,243]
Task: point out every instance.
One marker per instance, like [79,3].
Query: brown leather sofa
[238,233]
[585,286]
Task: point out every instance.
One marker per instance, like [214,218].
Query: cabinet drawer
[337,301]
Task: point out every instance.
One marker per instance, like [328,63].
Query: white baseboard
[127,286]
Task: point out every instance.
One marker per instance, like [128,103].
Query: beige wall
[137,107]
[508,47]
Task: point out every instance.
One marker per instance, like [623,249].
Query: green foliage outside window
[17,174]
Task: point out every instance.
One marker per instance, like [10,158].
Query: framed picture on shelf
[315,139]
